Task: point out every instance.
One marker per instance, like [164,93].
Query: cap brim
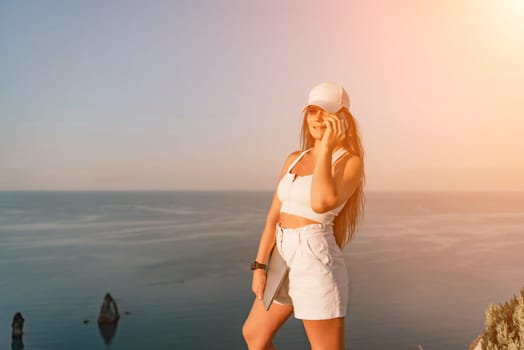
[329,107]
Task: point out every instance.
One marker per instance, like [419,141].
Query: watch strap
[256,265]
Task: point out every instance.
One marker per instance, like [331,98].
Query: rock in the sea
[108,311]
[17,325]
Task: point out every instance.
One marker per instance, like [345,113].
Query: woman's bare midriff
[292,221]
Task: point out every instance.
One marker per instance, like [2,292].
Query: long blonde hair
[347,220]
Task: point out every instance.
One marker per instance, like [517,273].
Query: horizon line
[264,190]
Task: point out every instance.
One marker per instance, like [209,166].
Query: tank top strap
[297,159]
[337,154]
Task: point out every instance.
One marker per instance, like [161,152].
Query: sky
[207,94]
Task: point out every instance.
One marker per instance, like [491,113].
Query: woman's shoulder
[351,164]
[347,161]
[292,156]
[290,159]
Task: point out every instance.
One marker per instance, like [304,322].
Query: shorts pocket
[318,247]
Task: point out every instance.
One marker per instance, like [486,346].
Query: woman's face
[315,121]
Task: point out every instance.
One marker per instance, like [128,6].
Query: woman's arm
[267,239]
[330,188]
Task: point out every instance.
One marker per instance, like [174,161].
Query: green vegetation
[504,328]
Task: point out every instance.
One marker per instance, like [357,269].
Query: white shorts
[317,284]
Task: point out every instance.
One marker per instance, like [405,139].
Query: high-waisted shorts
[317,283]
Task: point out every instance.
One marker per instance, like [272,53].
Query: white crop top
[294,192]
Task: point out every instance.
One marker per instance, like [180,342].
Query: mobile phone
[343,119]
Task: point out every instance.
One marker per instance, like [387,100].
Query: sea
[423,268]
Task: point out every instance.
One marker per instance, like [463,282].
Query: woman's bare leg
[325,334]
[261,326]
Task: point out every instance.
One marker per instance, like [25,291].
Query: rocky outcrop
[108,311]
[17,326]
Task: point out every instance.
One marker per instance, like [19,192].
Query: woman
[314,213]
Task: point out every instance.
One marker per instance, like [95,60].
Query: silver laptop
[277,271]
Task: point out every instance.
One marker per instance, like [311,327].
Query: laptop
[276,273]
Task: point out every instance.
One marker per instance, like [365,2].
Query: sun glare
[509,16]
[518,6]
[516,9]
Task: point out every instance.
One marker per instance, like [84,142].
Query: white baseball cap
[328,96]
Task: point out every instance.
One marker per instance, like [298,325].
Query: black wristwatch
[256,265]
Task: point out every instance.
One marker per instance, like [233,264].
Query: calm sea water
[423,268]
